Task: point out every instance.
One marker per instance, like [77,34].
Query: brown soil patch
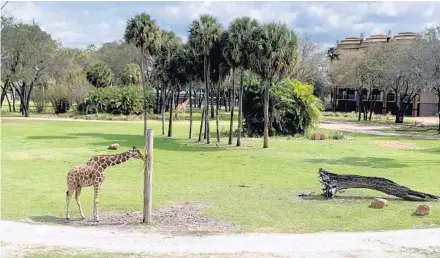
[186,218]
[399,145]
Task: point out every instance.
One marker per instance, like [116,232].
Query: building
[344,99]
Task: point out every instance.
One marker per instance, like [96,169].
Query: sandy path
[368,244]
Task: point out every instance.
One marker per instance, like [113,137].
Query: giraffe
[92,173]
[181,108]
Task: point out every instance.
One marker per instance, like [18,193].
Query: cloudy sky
[78,24]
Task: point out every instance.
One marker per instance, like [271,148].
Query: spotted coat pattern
[93,174]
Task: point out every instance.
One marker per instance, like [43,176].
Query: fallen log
[333,183]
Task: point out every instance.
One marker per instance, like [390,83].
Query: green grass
[36,155]
[427,130]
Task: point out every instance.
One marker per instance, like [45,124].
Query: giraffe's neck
[105,161]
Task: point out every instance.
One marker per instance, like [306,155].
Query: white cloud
[325,22]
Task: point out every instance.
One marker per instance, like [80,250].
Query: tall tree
[240,37]
[274,53]
[27,51]
[403,73]
[220,70]
[145,34]
[203,33]
[99,74]
[431,56]
[169,46]
[131,74]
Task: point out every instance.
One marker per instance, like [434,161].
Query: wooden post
[148,176]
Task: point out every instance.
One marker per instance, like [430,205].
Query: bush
[293,109]
[39,98]
[116,100]
[61,105]
[338,136]
[318,136]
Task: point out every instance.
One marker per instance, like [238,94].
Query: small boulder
[379,203]
[113,146]
[423,210]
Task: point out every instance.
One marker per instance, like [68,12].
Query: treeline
[274,76]
[405,68]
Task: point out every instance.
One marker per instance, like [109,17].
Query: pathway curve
[368,244]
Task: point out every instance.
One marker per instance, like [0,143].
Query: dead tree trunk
[333,183]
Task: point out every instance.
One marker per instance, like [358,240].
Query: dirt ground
[184,218]
[399,145]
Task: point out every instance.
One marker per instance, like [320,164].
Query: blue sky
[78,24]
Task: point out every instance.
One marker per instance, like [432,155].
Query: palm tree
[219,72]
[274,48]
[170,44]
[145,34]
[203,33]
[192,68]
[232,55]
[177,76]
[241,32]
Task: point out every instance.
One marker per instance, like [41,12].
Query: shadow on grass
[360,162]
[160,142]
[348,198]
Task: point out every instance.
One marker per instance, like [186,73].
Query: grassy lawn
[36,155]
[427,130]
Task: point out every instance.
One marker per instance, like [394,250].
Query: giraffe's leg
[95,204]
[69,194]
[78,201]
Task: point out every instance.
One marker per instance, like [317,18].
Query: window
[346,94]
[391,97]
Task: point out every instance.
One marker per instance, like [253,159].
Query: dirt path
[370,129]
[365,244]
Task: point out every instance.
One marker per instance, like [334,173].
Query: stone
[423,210]
[379,203]
[113,146]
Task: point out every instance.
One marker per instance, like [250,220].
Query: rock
[113,146]
[379,203]
[423,210]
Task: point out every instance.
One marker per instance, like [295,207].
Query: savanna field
[36,156]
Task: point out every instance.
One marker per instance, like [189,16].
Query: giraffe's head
[135,153]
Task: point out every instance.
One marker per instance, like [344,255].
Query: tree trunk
[240,108]
[156,109]
[9,103]
[372,107]
[144,89]
[333,183]
[3,95]
[266,114]
[208,138]
[231,122]
[190,110]
[13,100]
[170,121]
[400,113]
[201,125]
[225,101]
[212,103]
[162,102]
[216,113]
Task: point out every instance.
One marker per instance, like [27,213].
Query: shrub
[61,105]
[338,136]
[116,100]
[293,109]
[39,98]
[318,136]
